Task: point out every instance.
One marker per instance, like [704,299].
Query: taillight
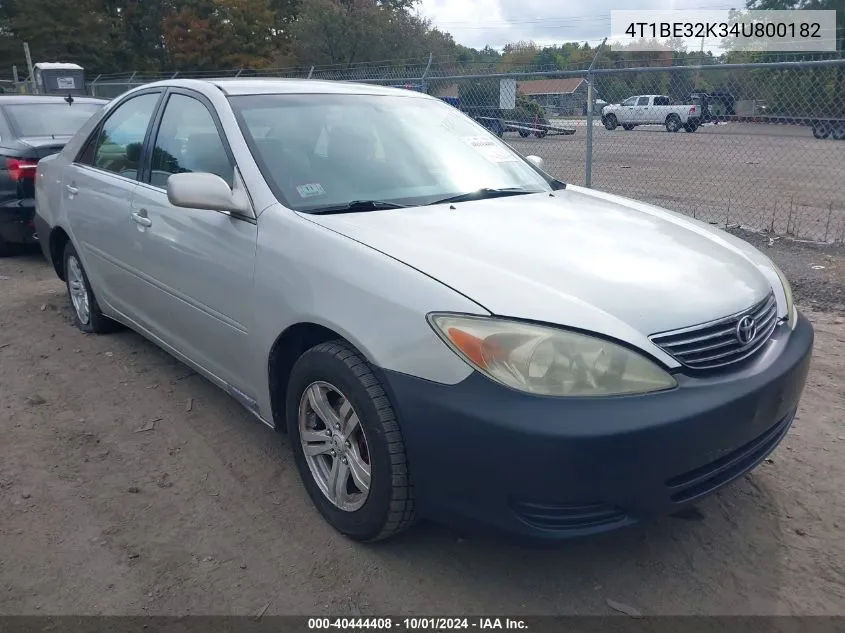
[692,110]
[21,168]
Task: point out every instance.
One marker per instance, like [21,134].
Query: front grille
[716,343]
[716,474]
[548,516]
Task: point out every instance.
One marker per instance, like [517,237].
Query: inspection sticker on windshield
[489,149]
[310,190]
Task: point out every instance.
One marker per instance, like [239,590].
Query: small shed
[54,78]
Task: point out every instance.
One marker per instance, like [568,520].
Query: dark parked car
[31,128]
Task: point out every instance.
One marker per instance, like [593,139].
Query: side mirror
[536,161]
[199,190]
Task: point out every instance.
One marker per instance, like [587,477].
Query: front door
[642,111]
[199,263]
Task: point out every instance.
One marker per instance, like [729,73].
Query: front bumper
[482,455]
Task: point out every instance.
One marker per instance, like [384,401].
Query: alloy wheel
[334,445]
[78,290]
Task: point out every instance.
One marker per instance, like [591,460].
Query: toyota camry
[444,329]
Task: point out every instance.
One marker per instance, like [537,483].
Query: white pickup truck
[651,110]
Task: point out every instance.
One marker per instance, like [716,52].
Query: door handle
[141,218]
[72,190]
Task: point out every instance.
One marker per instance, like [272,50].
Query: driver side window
[630,102]
[188,141]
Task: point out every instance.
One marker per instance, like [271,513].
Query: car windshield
[319,151]
[49,119]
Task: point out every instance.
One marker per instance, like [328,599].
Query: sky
[477,23]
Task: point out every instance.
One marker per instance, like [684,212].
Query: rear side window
[48,119]
[118,145]
[661,101]
[643,101]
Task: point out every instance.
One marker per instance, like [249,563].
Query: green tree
[220,34]
[820,92]
[352,31]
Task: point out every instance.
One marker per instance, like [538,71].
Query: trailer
[822,127]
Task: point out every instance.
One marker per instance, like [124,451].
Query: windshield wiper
[357,205]
[484,194]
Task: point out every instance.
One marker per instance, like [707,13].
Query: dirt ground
[119,497]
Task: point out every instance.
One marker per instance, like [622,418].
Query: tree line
[148,36]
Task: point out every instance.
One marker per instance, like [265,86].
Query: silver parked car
[444,330]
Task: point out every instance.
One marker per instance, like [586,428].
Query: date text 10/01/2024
[748,30]
[416,624]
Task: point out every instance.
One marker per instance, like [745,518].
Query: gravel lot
[773,177]
[120,497]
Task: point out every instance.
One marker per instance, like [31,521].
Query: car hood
[579,258]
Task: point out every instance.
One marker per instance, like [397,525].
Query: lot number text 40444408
[417,624]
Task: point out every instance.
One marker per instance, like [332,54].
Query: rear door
[97,193]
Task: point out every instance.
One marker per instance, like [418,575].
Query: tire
[334,374]
[838,132]
[627,127]
[5,249]
[690,127]
[524,134]
[821,129]
[541,133]
[610,122]
[88,319]
[673,123]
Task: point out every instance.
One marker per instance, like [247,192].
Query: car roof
[40,99]
[274,85]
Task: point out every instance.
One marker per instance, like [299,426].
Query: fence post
[588,167]
[93,85]
[310,72]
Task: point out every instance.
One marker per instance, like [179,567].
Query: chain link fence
[761,146]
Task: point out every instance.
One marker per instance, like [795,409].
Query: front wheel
[690,127]
[838,132]
[627,127]
[347,443]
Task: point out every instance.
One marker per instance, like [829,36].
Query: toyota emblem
[746,330]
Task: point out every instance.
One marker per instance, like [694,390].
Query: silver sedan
[444,329]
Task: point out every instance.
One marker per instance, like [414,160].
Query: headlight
[791,314]
[547,361]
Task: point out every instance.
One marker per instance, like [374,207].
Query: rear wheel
[838,131]
[690,127]
[610,122]
[86,312]
[628,127]
[347,443]
[821,129]
[540,133]
[673,123]
[524,133]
